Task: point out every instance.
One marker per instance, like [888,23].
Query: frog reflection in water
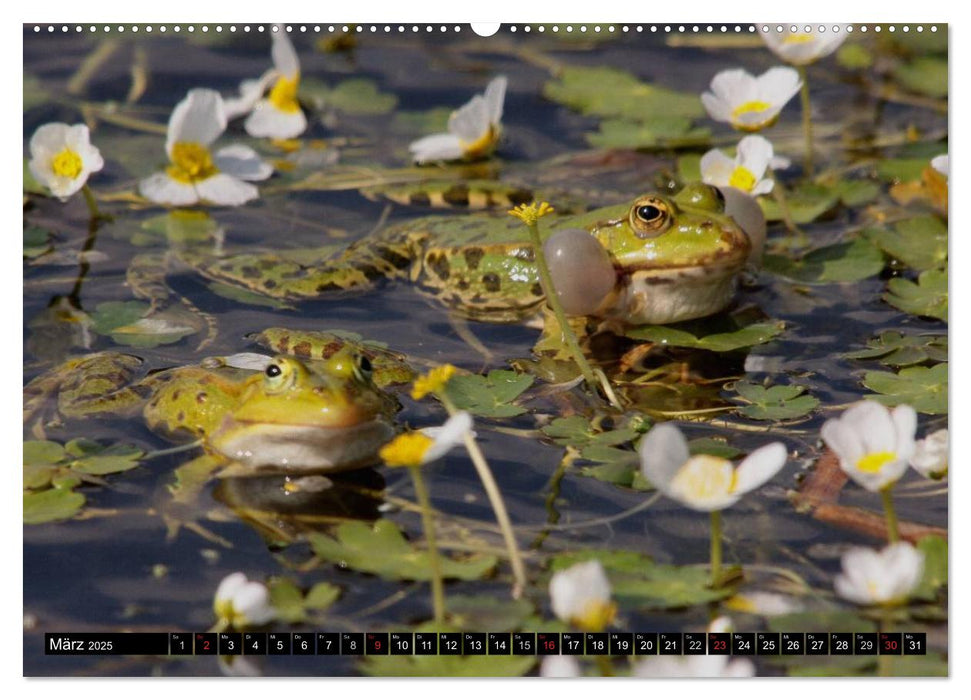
[294,417]
[674,258]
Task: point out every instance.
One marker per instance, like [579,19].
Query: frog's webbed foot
[182,510]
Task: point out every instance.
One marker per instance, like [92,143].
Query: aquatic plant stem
[92,203]
[807,121]
[780,197]
[495,499]
[893,531]
[716,545]
[546,280]
[428,525]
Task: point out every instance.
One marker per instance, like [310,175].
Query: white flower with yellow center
[424,446]
[62,158]
[241,603]
[195,173]
[941,164]
[873,443]
[880,578]
[747,102]
[800,47]
[473,129]
[746,171]
[278,116]
[930,455]
[580,596]
[704,482]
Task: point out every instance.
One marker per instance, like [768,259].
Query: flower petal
[230,585]
[450,435]
[754,154]
[716,168]
[162,189]
[266,121]
[905,422]
[250,92]
[471,121]
[226,190]
[242,162]
[663,451]
[199,118]
[495,96]
[284,55]
[252,602]
[436,147]
[759,467]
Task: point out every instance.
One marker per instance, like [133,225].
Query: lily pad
[50,505]
[924,388]
[610,92]
[382,549]
[920,243]
[637,580]
[851,261]
[490,396]
[778,402]
[748,336]
[898,350]
[353,96]
[925,75]
[805,203]
[661,131]
[928,297]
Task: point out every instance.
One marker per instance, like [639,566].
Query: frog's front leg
[183,510]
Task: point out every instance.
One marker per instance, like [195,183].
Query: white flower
[559,667]
[195,173]
[753,158]
[801,48]
[763,603]
[941,164]
[279,115]
[250,92]
[693,667]
[749,103]
[580,595]
[473,129]
[930,455]
[880,578]
[703,482]
[873,444]
[242,603]
[62,158]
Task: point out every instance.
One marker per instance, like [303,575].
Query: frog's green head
[687,231]
[321,416]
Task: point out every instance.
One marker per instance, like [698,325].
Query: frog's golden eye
[277,374]
[650,217]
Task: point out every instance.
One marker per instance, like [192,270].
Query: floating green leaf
[854,56]
[778,402]
[934,549]
[37,241]
[490,396]
[431,121]
[928,297]
[126,323]
[107,460]
[481,612]
[711,446]
[924,388]
[926,75]
[321,596]
[291,605]
[43,452]
[754,334]
[854,193]
[898,350]
[51,504]
[637,580]
[353,96]
[578,432]
[901,169]
[443,666]
[805,203]
[382,550]
[659,131]
[920,243]
[180,226]
[842,262]
[609,92]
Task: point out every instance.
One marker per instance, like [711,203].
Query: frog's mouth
[298,449]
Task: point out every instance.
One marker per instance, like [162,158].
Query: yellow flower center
[191,162]
[483,145]
[874,462]
[433,382]
[750,107]
[798,38]
[742,178]
[596,616]
[704,477]
[67,163]
[406,450]
[283,96]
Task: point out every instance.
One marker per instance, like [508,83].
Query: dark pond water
[112,567]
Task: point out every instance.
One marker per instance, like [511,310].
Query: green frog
[676,258]
[253,414]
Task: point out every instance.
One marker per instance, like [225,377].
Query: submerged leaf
[382,550]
